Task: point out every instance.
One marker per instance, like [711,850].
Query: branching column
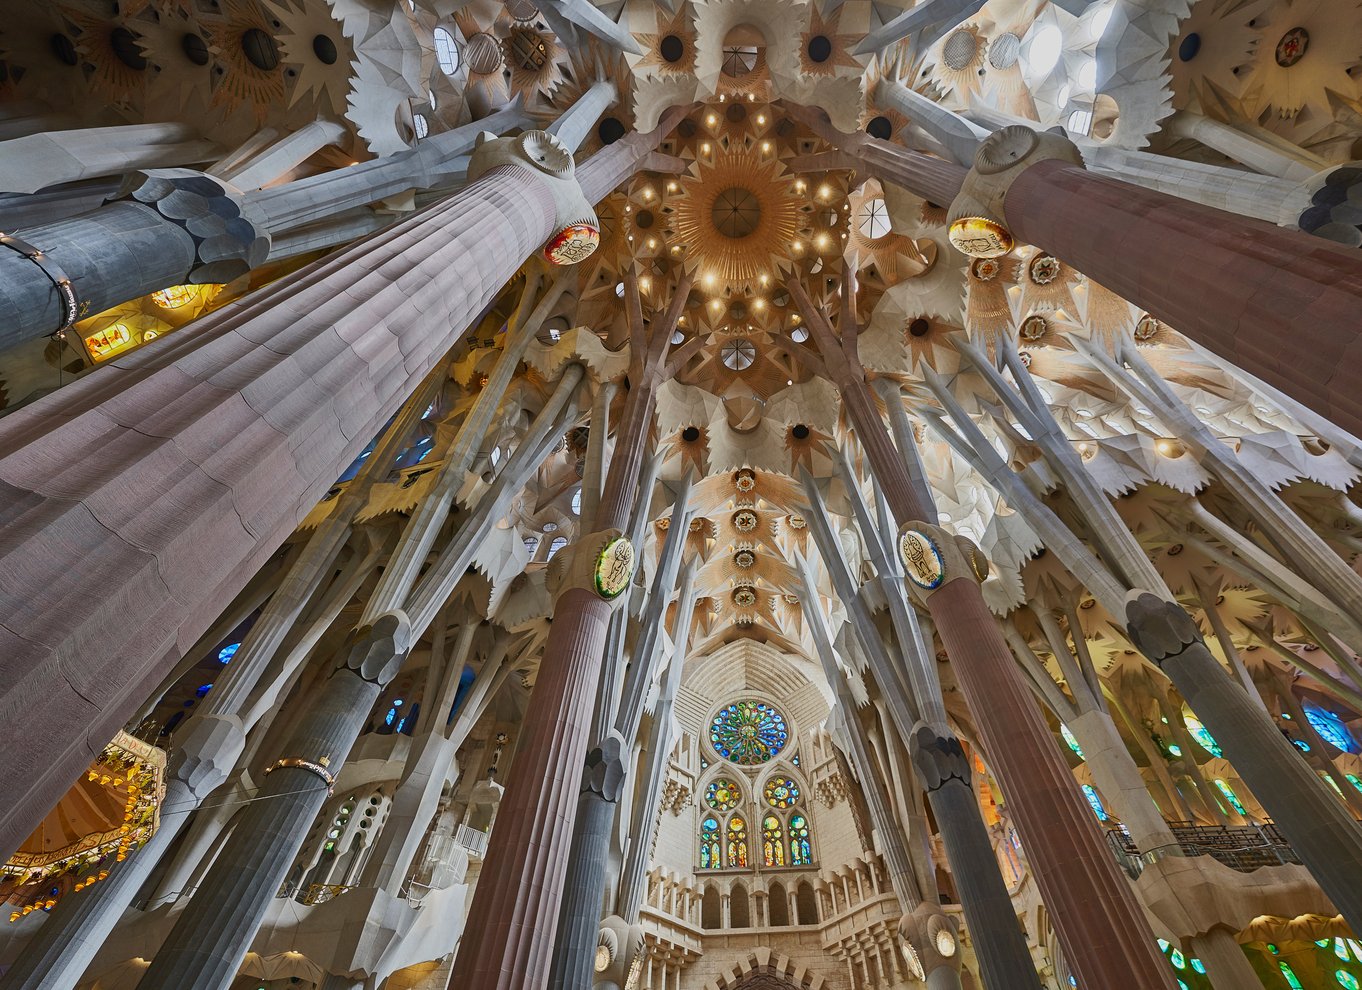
[514,914]
[1104,932]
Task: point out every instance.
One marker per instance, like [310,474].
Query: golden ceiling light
[738,217]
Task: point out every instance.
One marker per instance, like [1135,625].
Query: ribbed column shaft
[575,947]
[514,913]
[1258,285]
[1106,937]
[224,436]
[206,944]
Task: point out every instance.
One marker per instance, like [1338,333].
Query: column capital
[934,937]
[604,772]
[376,651]
[932,557]
[1161,630]
[601,562]
[230,237]
[938,757]
[978,221]
[577,231]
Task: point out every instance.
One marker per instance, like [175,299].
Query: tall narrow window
[1230,796]
[801,853]
[737,842]
[709,844]
[772,841]
[1090,793]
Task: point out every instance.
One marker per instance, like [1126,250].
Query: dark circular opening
[879,127]
[195,48]
[736,212]
[611,129]
[736,113]
[919,327]
[325,49]
[124,44]
[1190,47]
[672,48]
[260,49]
[64,49]
[800,432]
[644,219]
[820,48]
[686,128]
[690,434]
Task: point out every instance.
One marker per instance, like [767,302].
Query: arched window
[1331,729]
[1203,737]
[777,907]
[711,915]
[772,841]
[1230,796]
[739,907]
[709,844]
[1070,741]
[806,905]
[801,853]
[737,842]
[558,543]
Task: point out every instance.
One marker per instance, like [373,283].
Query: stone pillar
[1319,826]
[319,361]
[514,912]
[1226,964]
[284,155]
[203,952]
[1236,286]
[1104,932]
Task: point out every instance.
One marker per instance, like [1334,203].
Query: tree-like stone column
[205,946]
[174,473]
[1319,825]
[1236,286]
[514,914]
[1105,936]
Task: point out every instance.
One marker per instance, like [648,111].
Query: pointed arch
[711,857]
[739,906]
[772,840]
[711,913]
[777,906]
[736,843]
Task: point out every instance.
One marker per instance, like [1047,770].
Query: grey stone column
[37,161]
[575,945]
[205,946]
[1318,825]
[283,155]
[1226,964]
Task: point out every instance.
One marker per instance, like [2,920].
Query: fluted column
[515,909]
[205,946]
[222,439]
[1104,932]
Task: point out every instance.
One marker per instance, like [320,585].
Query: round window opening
[736,212]
[748,733]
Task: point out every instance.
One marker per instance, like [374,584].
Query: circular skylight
[1042,54]
[873,219]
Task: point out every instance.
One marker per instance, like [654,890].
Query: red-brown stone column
[1242,288]
[508,941]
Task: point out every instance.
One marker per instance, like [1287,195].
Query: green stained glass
[1346,979]
[709,844]
[1178,960]
[1071,741]
[772,841]
[1204,739]
[801,853]
[748,732]
[1291,978]
[1230,796]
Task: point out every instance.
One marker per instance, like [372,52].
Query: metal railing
[320,893]
[1240,847]
[472,840]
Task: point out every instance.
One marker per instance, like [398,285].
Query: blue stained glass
[203,690]
[748,732]
[1090,793]
[1071,741]
[227,652]
[1331,729]
[392,714]
[709,844]
[1346,979]
[1340,948]
[1230,796]
[1301,745]
[1198,965]
[1178,960]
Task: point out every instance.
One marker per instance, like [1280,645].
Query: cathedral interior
[681,494]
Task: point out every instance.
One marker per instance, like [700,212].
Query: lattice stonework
[748,732]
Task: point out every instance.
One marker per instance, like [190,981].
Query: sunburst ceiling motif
[738,217]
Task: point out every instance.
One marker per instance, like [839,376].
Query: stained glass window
[1331,729]
[1090,793]
[1341,949]
[1230,796]
[1291,978]
[782,792]
[227,652]
[721,795]
[1204,739]
[1072,742]
[1346,979]
[772,841]
[737,841]
[709,844]
[801,853]
[748,732]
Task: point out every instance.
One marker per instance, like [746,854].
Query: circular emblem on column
[980,237]
[922,559]
[575,242]
[614,568]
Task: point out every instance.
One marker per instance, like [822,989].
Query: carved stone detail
[1161,630]
[938,758]
[230,238]
[376,652]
